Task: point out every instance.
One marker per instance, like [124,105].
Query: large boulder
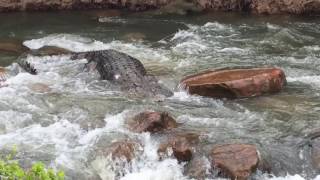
[235,83]
[237,161]
[151,122]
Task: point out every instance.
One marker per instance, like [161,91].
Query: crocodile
[116,67]
[125,71]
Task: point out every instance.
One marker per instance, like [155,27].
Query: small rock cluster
[237,161]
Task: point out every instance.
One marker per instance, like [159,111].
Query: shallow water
[81,115]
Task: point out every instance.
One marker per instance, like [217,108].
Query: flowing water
[79,115]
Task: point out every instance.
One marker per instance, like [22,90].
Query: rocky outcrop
[235,83]
[285,6]
[38,5]
[225,5]
[237,161]
[125,71]
[171,6]
[151,122]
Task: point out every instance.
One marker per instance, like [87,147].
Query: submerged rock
[237,161]
[182,146]
[39,87]
[151,122]
[50,51]
[235,83]
[13,46]
[123,150]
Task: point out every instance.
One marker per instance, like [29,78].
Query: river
[65,127]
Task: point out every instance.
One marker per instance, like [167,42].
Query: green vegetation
[11,170]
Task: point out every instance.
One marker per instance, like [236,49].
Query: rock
[14,46]
[182,145]
[237,161]
[285,6]
[3,74]
[225,5]
[50,51]
[135,36]
[123,149]
[39,87]
[315,153]
[235,83]
[3,77]
[151,122]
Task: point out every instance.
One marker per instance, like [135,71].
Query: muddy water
[67,123]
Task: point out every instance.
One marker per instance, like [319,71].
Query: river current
[81,114]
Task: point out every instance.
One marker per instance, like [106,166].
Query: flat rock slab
[235,83]
[237,161]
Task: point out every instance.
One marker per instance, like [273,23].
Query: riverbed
[79,115]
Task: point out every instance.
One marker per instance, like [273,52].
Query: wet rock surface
[151,122]
[50,51]
[122,149]
[3,76]
[237,161]
[39,87]
[235,83]
[183,146]
[13,46]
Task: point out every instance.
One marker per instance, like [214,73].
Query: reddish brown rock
[235,83]
[237,161]
[3,73]
[151,122]
[3,77]
[182,145]
[123,149]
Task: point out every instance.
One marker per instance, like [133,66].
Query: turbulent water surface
[79,115]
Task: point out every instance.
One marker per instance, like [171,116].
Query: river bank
[301,7]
